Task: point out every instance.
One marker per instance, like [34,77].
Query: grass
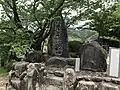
[3,72]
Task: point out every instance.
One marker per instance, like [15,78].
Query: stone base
[52,88]
[88,82]
[86,85]
[53,80]
[108,86]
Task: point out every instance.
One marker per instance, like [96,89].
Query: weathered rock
[93,57]
[108,86]
[9,88]
[71,61]
[87,78]
[58,41]
[60,61]
[35,57]
[9,65]
[35,76]
[56,62]
[19,67]
[69,79]
[86,85]
[53,80]
[51,87]
[50,71]
[115,81]
[106,79]
[31,78]
[96,79]
[59,73]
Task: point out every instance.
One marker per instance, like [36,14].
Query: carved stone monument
[58,41]
[93,57]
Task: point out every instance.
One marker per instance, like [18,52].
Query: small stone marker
[114,63]
[77,65]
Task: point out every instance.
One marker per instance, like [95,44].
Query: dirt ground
[3,81]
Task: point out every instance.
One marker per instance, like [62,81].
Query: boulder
[35,57]
[56,62]
[93,57]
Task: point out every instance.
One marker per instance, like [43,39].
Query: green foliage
[23,25]
[83,36]
[3,71]
[107,21]
[115,22]
[74,46]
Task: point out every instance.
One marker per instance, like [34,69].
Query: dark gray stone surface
[58,41]
[56,62]
[89,85]
[60,62]
[93,57]
[108,86]
[35,57]
[59,73]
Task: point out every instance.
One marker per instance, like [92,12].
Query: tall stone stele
[58,41]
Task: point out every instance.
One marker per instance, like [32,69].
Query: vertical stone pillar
[58,41]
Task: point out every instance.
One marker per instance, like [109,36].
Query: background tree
[105,21]
[115,22]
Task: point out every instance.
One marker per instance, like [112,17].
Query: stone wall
[40,76]
[97,83]
[93,81]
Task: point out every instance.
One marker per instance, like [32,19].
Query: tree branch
[47,20]
[7,1]
[62,2]
[7,12]
[34,13]
[8,29]
[16,16]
